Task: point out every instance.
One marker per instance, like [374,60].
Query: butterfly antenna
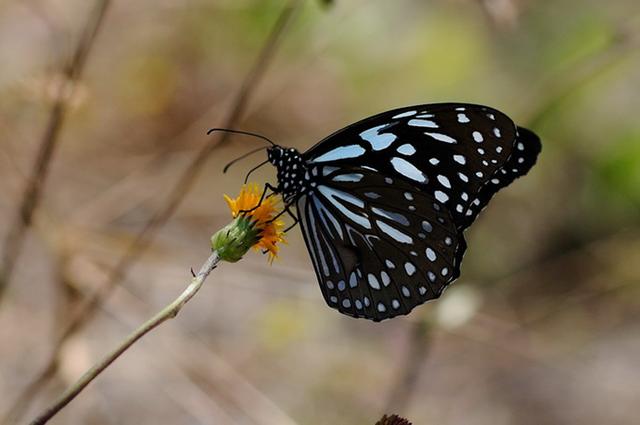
[254,169]
[246,133]
[226,167]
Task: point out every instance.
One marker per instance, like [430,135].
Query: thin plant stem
[87,309]
[33,190]
[410,370]
[169,312]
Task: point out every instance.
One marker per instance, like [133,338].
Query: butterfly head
[293,178]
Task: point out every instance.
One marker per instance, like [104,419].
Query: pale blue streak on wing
[408,170]
[394,233]
[309,229]
[325,213]
[353,177]
[341,152]
[335,197]
[422,123]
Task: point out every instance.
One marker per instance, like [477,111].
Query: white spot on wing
[373,281]
[444,181]
[422,123]
[462,118]
[376,140]
[404,115]
[409,268]
[408,170]
[442,137]
[441,196]
[459,159]
[406,149]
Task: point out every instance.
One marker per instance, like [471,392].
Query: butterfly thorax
[293,176]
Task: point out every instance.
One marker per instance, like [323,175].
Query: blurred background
[542,326]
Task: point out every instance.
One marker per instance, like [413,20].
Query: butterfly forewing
[451,151]
[379,245]
[523,156]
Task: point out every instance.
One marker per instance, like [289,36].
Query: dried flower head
[393,420]
[253,226]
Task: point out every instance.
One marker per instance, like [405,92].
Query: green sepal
[235,239]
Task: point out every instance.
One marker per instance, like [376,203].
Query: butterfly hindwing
[379,246]
[458,153]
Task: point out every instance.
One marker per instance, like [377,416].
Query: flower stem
[169,312]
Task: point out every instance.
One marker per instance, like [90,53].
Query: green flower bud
[235,239]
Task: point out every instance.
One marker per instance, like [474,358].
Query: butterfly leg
[295,219]
[286,209]
[267,186]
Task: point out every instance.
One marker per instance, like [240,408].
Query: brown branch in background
[410,370]
[35,183]
[87,309]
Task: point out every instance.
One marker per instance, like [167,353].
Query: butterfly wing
[460,154]
[380,246]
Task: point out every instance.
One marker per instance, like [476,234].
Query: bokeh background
[541,328]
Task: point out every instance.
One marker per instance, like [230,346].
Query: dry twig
[410,370]
[35,183]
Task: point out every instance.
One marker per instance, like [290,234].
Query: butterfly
[383,203]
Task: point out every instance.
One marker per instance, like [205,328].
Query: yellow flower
[253,226]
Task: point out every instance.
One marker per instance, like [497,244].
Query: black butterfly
[383,203]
